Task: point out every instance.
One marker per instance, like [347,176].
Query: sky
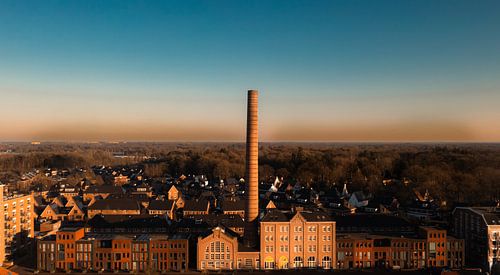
[179,70]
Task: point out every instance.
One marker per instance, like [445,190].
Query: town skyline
[327,72]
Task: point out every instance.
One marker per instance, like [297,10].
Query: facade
[436,247]
[66,247]
[158,207]
[16,223]
[54,212]
[359,250]
[73,250]
[297,240]
[480,227]
[220,250]
[173,193]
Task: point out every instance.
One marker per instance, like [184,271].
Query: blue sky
[178,70]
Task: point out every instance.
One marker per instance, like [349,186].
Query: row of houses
[288,240]
[72,249]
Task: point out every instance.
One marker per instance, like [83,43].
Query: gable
[48,211]
[75,210]
[270,205]
[297,218]
[219,234]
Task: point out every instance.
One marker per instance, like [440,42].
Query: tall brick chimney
[252,168]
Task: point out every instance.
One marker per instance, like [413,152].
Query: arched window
[311,262]
[283,262]
[297,262]
[326,262]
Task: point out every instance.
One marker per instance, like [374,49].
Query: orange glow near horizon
[32,116]
[412,131]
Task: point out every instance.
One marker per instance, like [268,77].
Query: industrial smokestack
[252,157]
[252,169]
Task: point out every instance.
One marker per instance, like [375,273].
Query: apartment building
[16,223]
[480,227]
[297,239]
[360,250]
[73,250]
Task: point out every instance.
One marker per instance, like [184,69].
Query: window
[297,262]
[311,262]
[326,263]
[269,263]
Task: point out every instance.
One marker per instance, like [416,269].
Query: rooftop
[491,215]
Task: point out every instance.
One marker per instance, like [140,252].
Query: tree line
[455,173]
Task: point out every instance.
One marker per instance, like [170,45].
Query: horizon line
[262,141]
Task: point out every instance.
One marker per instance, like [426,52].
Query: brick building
[220,249]
[16,223]
[480,227]
[71,249]
[297,239]
[360,250]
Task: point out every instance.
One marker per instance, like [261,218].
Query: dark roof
[361,196]
[104,189]
[69,229]
[39,200]
[115,204]
[64,210]
[316,216]
[275,215]
[196,205]
[138,197]
[213,220]
[160,205]
[227,231]
[126,221]
[372,223]
[62,199]
[491,215]
[238,205]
